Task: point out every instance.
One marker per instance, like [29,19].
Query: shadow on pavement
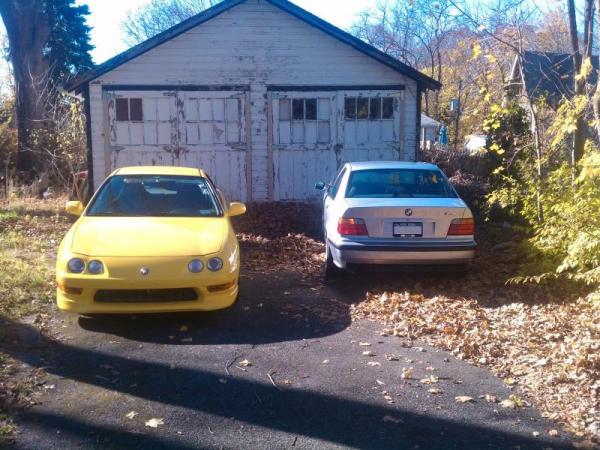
[270,309]
[303,413]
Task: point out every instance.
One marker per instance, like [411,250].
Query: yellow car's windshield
[155,196]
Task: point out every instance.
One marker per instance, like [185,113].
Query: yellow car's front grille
[145,295]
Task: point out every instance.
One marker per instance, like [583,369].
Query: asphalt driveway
[285,368]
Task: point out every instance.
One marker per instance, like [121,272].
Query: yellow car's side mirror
[75,208]
[236,209]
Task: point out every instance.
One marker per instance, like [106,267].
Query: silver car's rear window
[399,183]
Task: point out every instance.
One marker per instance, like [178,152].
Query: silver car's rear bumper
[389,252]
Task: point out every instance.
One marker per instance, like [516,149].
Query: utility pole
[457,110]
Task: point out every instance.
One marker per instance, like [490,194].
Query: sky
[107,15]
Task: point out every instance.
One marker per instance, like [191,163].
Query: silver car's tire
[331,270]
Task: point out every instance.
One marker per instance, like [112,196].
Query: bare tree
[596,99]
[28,31]
[160,15]
[415,32]
[517,14]
[579,136]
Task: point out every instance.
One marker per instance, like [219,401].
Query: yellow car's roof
[160,170]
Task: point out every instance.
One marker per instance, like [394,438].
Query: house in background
[263,95]
[430,129]
[475,143]
[546,75]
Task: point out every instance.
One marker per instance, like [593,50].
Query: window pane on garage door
[190,128]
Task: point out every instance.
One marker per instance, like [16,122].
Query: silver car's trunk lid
[401,217]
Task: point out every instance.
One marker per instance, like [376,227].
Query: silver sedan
[391,213]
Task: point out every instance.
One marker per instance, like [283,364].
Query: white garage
[264,96]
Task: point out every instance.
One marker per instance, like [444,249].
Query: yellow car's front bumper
[123,288]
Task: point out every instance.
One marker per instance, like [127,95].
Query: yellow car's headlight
[196,266]
[76,265]
[95,267]
[215,264]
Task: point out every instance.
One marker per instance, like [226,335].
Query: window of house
[369,108]
[304,121]
[129,110]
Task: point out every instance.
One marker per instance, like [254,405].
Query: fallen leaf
[364,344]
[245,363]
[431,379]
[368,353]
[491,398]
[325,361]
[374,364]
[154,423]
[435,391]
[392,358]
[553,432]
[513,402]
[131,415]
[464,399]
[508,403]
[380,383]
[536,433]
[392,419]
[407,373]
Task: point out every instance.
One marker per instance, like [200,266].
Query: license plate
[408,229]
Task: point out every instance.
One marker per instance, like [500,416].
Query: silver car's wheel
[330,268]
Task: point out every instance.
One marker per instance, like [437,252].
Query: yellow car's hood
[148,236]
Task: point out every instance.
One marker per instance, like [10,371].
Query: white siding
[254,44]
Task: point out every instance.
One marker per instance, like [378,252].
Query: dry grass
[30,231]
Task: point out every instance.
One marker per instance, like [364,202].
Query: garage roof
[287,6]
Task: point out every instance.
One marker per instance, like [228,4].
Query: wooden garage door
[304,139]
[314,133]
[205,129]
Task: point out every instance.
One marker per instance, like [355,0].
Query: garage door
[205,129]
[315,132]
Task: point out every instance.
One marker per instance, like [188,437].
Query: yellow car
[152,239]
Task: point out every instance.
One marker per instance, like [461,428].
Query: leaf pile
[291,253]
[276,237]
[551,351]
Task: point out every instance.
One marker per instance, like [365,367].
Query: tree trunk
[28,31]
[596,99]
[579,135]
[537,141]
[588,28]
